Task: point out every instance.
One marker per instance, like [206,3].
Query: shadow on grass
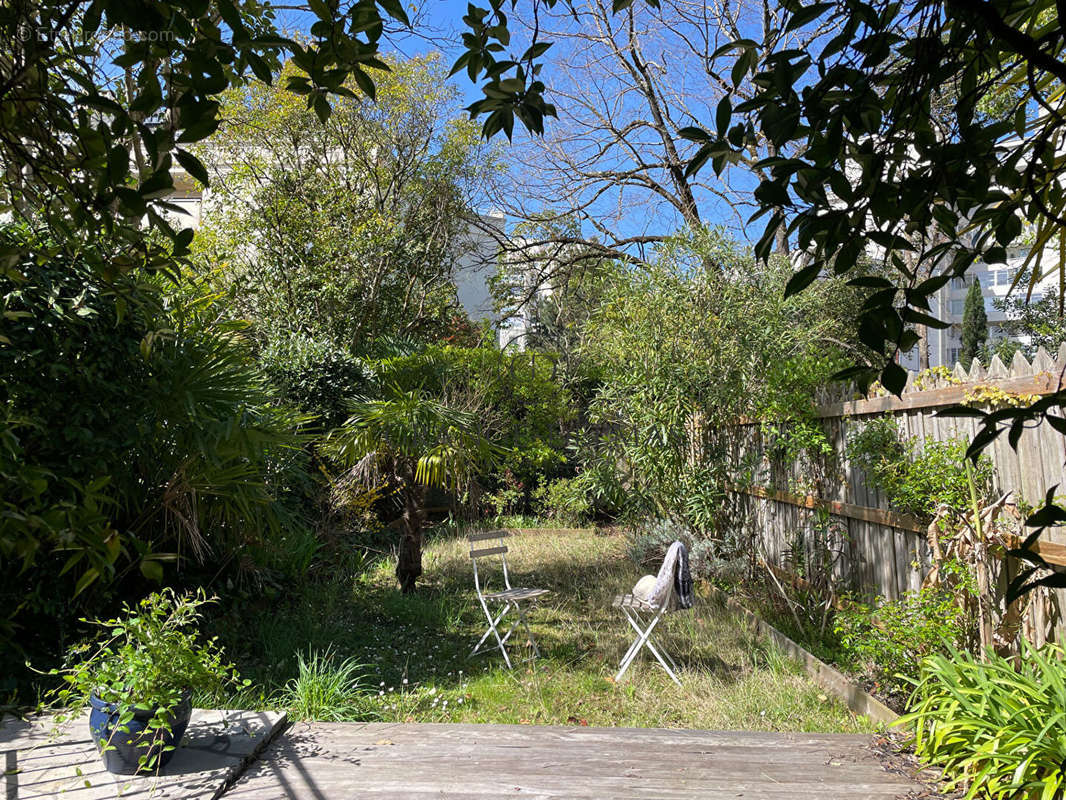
[415,647]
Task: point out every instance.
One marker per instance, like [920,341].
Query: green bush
[564,500]
[648,542]
[135,432]
[917,478]
[889,642]
[518,401]
[1001,729]
[315,375]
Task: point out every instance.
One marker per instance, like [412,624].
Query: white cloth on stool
[654,590]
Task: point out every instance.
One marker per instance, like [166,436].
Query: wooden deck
[472,762]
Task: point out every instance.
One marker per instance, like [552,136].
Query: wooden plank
[322,761]
[487,551]
[1051,552]
[876,515]
[480,537]
[1041,384]
[40,761]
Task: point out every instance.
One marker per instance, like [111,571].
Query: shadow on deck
[466,762]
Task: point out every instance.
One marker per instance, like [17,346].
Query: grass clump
[326,688]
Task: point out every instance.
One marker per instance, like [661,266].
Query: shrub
[917,478]
[648,542]
[315,375]
[133,427]
[510,498]
[1001,729]
[889,642]
[563,500]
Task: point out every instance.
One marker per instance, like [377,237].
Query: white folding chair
[509,599]
[643,610]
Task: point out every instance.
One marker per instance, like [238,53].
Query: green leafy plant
[888,642]
[150,659]
[564,500]
[918,478]
[997,727]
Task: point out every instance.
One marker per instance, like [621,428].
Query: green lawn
[411,651]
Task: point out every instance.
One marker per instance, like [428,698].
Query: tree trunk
[923,347]
[409,563]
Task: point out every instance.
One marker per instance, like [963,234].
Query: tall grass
[415,650]
[326,688]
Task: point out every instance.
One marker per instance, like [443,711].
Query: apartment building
[945,345]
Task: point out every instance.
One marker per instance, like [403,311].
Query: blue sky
[439,27]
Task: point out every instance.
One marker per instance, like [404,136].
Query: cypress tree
[974,324]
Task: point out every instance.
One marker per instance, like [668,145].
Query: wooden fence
[882,552]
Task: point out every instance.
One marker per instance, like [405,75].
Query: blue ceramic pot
[129,742]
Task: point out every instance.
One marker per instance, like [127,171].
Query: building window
[953,355]
[957,306]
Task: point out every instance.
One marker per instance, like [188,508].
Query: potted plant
[138,680]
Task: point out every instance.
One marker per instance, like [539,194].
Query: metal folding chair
[510,598]
[643,616]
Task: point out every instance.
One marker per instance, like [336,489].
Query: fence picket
[880,558]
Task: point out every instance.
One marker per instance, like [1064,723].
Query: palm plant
[408,442]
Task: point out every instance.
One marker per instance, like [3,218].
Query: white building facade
[945,345]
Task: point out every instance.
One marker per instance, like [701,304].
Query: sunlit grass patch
[415,649]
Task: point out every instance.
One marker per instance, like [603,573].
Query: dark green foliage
[380,222]
[407,442]
[974,324]
[683,348]
[315,375]
[923,131]
[132,436]
[917,478]
[912,130]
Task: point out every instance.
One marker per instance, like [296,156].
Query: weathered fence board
[886,553]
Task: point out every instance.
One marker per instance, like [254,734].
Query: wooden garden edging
[829,678]
[520,531]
